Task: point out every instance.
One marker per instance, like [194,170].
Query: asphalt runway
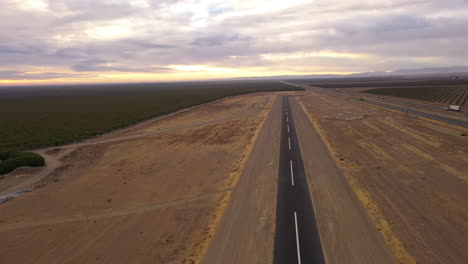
[268,220]
[297,239]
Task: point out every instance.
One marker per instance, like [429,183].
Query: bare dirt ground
[246,232]
[409,173]
[410,103]
[148,194]
[347,233]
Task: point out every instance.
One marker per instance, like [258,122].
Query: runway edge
[246,231]
[346,232]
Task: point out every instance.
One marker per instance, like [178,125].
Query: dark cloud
[91,10]
[147,44]
[7,74]
[18,75]
[97,65]
[5,49]
[218,40]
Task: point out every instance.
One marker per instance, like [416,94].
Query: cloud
[97,65]
[148,36]
[217,40]
[18,75]
[92,10]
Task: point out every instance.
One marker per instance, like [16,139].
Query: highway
[297,238]
[436,117]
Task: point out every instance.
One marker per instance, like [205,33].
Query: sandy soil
[151,194]
[408,172]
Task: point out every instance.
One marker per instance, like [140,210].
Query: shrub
[14,159]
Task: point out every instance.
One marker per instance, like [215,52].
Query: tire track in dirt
[54,162]
[122,212]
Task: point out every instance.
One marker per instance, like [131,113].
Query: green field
[438,94]
[33,117]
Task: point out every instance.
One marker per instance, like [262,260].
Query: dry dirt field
[410,174]
[152,193]
[422,106]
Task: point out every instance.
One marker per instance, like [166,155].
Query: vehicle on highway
[456,108]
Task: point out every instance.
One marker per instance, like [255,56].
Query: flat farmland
[435,94]
[374,82]
[34,117]
[152,193]
[408,172]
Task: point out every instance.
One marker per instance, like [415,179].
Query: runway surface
[268,220]
[297,239]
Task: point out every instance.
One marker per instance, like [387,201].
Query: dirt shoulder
[150,198]
[408,172]
[247,229]
[346,232]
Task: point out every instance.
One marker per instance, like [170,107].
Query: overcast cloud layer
[132,40]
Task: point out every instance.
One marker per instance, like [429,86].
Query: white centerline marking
[288,128]
[292,173]
[287,119]
[289,141]
[297,240]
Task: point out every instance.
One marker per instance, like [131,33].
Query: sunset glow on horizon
[70,41]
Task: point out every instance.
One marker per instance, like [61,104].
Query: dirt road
[149,194]
[184,119]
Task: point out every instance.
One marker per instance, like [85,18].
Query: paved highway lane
[297,239]
[432,116]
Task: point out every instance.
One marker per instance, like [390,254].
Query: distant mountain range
[401,72]
[433,70]
[445,70]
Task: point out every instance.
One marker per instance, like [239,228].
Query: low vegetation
[344,80]
[33,117]
[10,160]
[382,82]
[445,95]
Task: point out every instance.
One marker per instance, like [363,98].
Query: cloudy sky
[62,41]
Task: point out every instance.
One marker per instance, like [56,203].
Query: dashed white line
[288,128]
[297,240]
[289,141]
[292,173]
[287,119]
